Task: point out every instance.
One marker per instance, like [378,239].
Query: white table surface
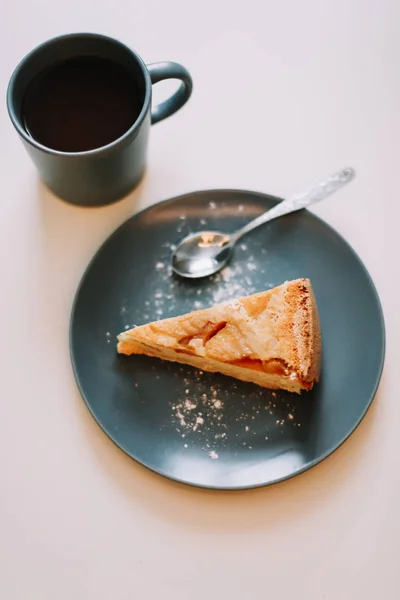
[285,92]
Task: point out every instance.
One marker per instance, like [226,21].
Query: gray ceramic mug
[103,175]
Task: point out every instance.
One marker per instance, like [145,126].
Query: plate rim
[309,465]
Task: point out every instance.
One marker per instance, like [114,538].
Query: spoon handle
[294,203]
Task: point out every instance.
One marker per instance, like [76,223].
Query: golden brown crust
[303,347]
[275,334]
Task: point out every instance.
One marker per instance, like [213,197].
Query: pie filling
[206,333]
[273,366]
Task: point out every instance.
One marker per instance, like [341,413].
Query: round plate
[205,429]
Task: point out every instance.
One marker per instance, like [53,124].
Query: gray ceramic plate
[202,428]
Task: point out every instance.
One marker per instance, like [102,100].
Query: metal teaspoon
[206,252]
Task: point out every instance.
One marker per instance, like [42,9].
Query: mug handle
[170,70]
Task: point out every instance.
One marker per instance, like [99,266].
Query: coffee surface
[81,104]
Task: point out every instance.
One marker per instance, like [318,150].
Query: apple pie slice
[271,338]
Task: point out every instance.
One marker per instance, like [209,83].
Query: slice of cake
[271,338]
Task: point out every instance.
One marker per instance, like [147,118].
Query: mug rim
[30,140]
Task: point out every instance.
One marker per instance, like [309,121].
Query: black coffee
[82,104]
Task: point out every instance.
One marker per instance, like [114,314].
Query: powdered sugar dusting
[170,296]
[210,414]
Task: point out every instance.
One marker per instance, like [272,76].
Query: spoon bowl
[202,254]
[206,252]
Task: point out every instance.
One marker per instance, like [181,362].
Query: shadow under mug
[103,175]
